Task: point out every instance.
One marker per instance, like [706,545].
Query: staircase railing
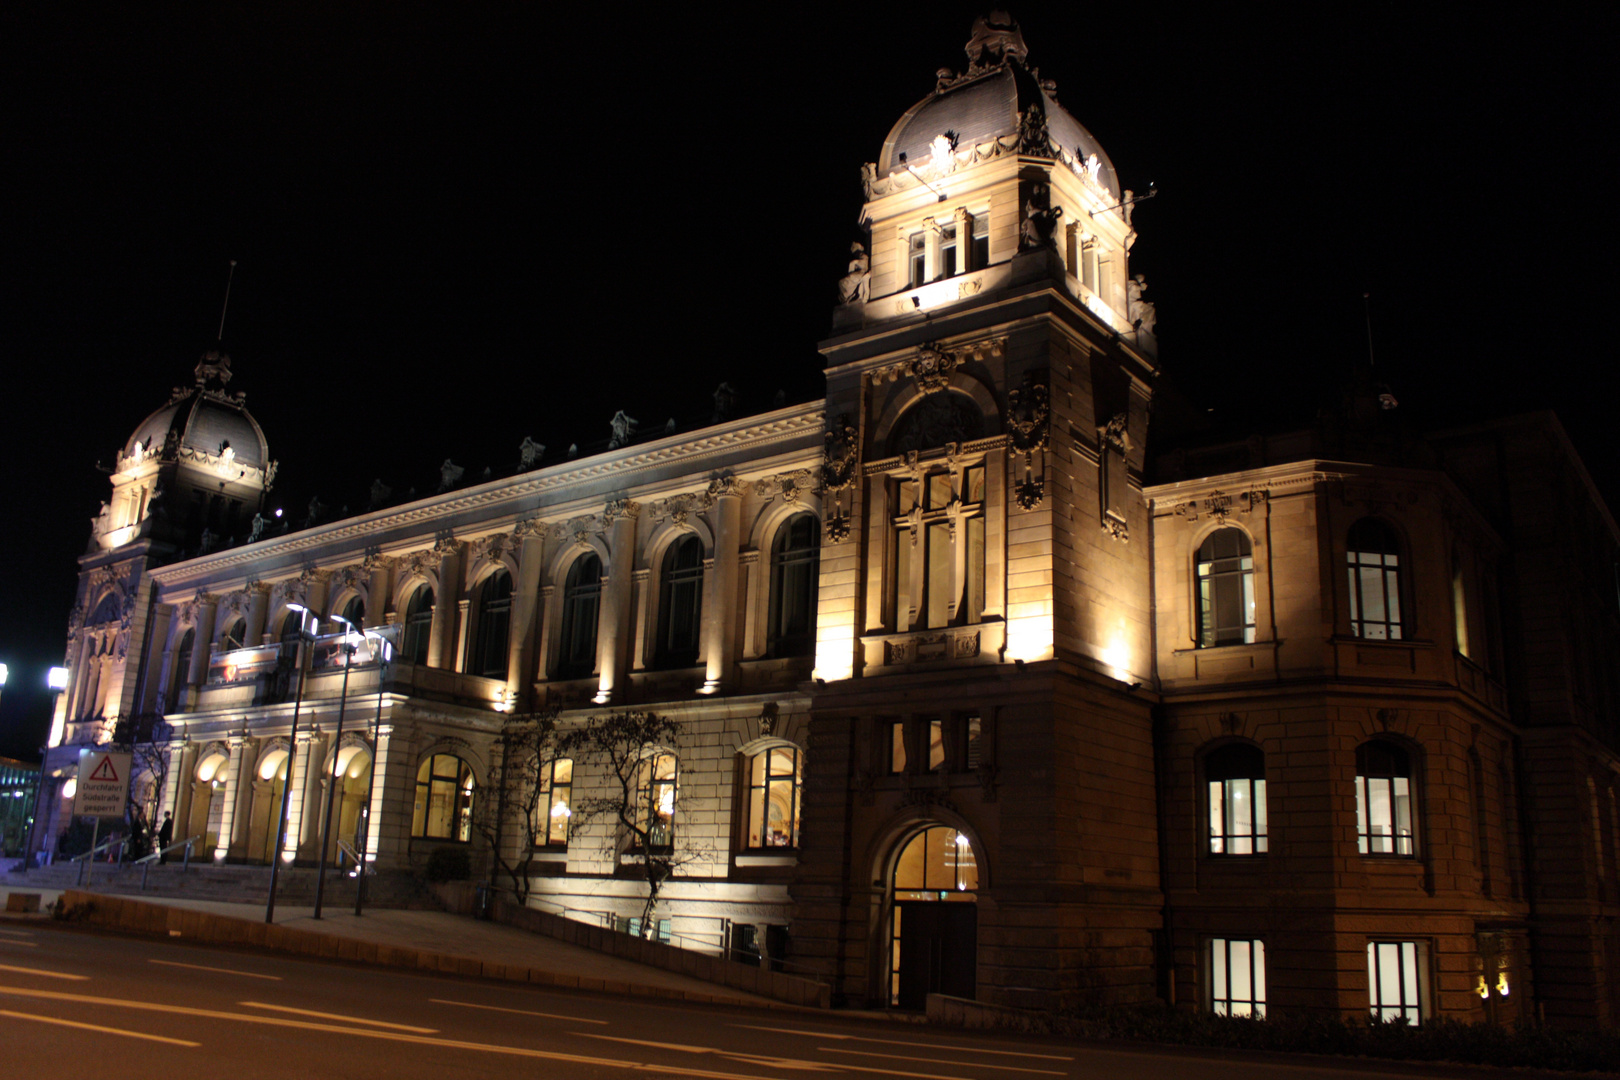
[145,862]
[86,858]
[347,849]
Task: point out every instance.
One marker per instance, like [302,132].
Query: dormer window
[944,249]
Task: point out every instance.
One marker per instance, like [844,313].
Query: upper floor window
[1384,800]
[107,611]
[553,805]
[945,248]
[917,259]
[680,612]
[418,625]
[1375,581]
[232,637]
[774,779]
[655,802]
[795,557]
[354,612]
[444,799]
[1225,589]
[494,626]
[1236,776]
[582,599]
[180,677]
[938,524]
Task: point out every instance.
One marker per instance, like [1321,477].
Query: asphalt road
[77,1004]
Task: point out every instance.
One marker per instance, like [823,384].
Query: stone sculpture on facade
[854,285]
[1040,219]
[449,475]
[529,453]
[623,426]
[1140,312]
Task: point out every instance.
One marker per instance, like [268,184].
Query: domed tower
[984,622]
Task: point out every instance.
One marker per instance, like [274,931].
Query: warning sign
[103,784]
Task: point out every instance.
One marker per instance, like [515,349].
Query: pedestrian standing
[165,837]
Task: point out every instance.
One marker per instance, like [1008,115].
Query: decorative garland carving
[1029,433]
[1220,506]
[620,508]
[792,486]
[841,457]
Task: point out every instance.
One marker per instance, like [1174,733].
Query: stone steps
[295,886]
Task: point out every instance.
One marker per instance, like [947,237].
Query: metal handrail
[145,862]
[346,848]
[98,847]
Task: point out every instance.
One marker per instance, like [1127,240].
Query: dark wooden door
[938,950]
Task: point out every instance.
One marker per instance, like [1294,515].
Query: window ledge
[1236,648]
[1383,643]
[767,860]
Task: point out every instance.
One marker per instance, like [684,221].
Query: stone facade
[1076,726]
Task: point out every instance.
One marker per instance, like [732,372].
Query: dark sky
[461,224]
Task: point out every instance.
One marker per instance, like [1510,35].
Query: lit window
[917,246]
[655,803]
[418,625]
[939,549]
[897,746]
[444,799]
[488,652]
[553,805]
[774,779]
[1225,589]
[1397,980]
[1383,800]
[680,613]
[1375,581]
[1236,776]
[582,599]
[937,864]
[1237,977]
[936,744]
[795,557]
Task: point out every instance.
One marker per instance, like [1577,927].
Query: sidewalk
[417,940]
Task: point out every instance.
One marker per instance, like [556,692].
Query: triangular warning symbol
[105,771]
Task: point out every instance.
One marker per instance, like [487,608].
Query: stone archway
[269,788]
[933,918]
[208,799]
[352,770]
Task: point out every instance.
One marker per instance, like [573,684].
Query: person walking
[165,837]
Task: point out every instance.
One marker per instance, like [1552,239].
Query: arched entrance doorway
[208,800]
[933,929]
[269,788]
[352,768]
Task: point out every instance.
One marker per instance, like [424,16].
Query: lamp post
[292,747]
[384,655]
[349,649]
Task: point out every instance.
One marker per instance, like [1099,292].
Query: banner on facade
[103,784]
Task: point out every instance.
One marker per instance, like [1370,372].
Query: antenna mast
[223,308]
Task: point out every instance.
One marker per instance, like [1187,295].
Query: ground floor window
[444,796]
[933,930]
[1397,980]
[1237,977]
[633,928]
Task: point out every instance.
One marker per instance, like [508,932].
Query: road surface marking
[96,1027]
[387,1036]
[760,1059]
[338,1016]
[901,1042]
[24,944]
[16,933]
[938,1061]
[222,971]
[47,974]
[520,1012]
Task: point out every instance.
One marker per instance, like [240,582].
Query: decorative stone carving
[932,367]
[256,531]
[837,528]
[1029,492]
[623,427]
[1220,506]
[449,475]
[792,486]
[842,455]
[1034,137]
[620,508]
[1040,220]
[855,285]
[1116,527]
[529,453]
[769,715]
[1028,416]
[446,543]
[725,403]
[995,38]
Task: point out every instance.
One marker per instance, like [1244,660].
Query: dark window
[582,599]
[795,556]
[1375,581]
[981,242]
[180,677]
[418,625]
[494,625]
[1236,777]
[948,262]
[919,259]
[774,776]
[444,799]
[355,611]
[1225,589]
[109,610]
[680,613]
[232,637]
[1384,800]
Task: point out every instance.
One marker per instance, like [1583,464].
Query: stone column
[964,241]
[379,592]
[182,768]
[756,592]
[258,609]
[720,622]
[611,639]
[309,807]
[227,816]
[642,631]
[460,661]
[239,798]
[387,830]
[442,634]
[548,632]
[525,621]
[202,647]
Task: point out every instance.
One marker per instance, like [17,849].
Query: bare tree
[146,737]
[508,810]
[636,756]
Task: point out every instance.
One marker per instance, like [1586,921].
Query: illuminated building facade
[976,698]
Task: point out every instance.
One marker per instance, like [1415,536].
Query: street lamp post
[292,748]
[331,778]
[384,655]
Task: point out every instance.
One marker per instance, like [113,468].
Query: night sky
[461,224]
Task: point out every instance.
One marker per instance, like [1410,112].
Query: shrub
[449,864]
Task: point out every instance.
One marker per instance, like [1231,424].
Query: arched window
[107,611]
[233,635]
[938,528]
[1375,581]
[655,804]
[180,677]
[355,611]
[795,556]
[582,601]
[1384,800]
[444,799]
[494,625]
[418,625]
[774,779]
[933,945]
[289,632]
[553,806]
[1236,776]
[680,611]
[1225,589]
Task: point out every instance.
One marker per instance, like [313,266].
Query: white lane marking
[902,1042]
[798,1064]
[222,971]
[338,1016]
[520,1012]
[21,944]
[47,974]
[938,1061]
[96,1027]
[15,933]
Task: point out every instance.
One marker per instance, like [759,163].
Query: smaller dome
[205,418]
